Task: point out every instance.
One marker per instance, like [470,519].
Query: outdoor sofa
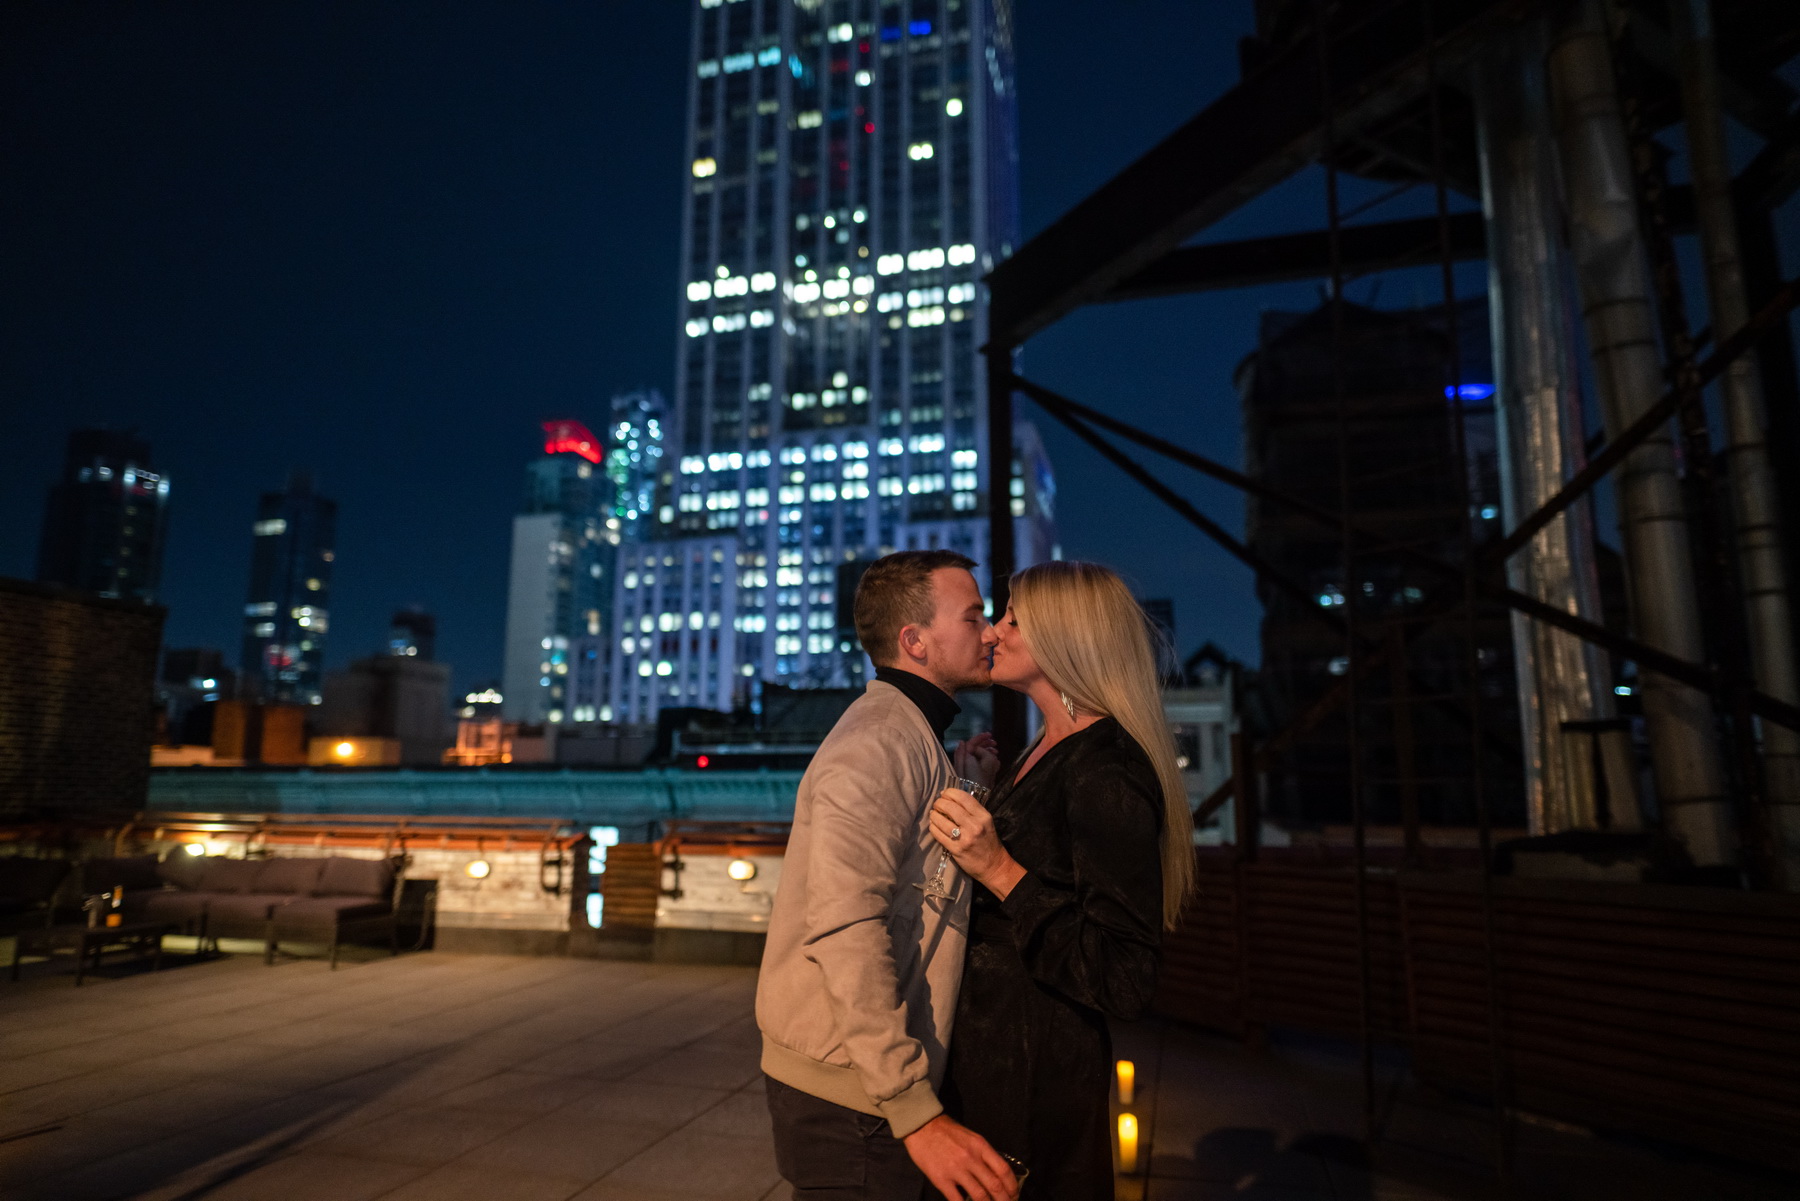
[324,899]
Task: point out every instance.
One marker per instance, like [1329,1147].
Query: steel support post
[1560,677]
[1009,706]
[1617,311]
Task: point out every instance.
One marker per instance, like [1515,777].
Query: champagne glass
[938,886]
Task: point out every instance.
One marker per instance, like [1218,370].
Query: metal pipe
[1560,677]
[1621,329]
[1347,569]
[1755,505]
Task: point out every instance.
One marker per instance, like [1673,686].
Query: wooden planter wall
[1673,1012]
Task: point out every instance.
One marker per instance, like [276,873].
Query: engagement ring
[955,832]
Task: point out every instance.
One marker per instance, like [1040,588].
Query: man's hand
[959,1163]
[978,758]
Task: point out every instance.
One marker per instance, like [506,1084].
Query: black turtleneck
[933,702]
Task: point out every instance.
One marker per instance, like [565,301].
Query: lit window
[809,120]
[919,151]
[953,107]
[704,167]
[840,33]
[644,667]
[864,79]
[960,255]
[263,529]
[762,281]
[699,290]
[696,327]
[313,585]
[806,293]
[925,260]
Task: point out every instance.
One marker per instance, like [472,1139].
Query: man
[861,971]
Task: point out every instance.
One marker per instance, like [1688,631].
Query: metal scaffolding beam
[1263,130]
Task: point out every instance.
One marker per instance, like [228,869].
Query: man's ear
[912,645]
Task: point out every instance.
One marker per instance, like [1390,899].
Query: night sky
[383,241]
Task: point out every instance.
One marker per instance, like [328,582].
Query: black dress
[1075,942]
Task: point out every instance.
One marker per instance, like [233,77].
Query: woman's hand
[966,830]
[978,758]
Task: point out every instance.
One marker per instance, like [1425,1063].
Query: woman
[1081,859]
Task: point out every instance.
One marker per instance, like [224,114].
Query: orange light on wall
[344,750]
[1128,1143]
[1127,1081]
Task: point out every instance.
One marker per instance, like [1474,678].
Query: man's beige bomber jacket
[861,969]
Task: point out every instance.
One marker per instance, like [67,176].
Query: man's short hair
[895,592]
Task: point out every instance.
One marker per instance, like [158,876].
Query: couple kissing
[951,934]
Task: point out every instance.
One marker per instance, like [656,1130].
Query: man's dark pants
[830,1153]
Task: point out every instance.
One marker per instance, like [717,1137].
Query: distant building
[561,578]
[848,183]
[1405,485]
[106,518]
[634,459]
[412,633]
[287,614]
[192,680]
[398,698]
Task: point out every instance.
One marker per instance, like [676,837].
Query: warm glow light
[741,869]
[195,848]
[344,750]
[1128,1134]
[1127,1081]
[478,869]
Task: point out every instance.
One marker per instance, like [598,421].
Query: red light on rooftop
[703,761]
[571,437]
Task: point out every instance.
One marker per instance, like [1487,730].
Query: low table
[140,938]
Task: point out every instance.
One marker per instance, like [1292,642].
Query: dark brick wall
[77,702]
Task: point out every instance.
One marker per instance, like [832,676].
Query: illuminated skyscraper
[288,612]
[851,176]
[634,456]
[560,585]
[104,524]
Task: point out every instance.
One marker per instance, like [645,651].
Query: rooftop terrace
[444,1077]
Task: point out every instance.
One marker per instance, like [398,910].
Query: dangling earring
[1068,704]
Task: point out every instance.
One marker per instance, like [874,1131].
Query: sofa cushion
[165,905]
[295,877]
[182,869]
[103,875]
[311,912]
[243,907]
[230,875]
[346,877]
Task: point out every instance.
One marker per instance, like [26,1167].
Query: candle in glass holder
[1127,1081]
[1128,1143]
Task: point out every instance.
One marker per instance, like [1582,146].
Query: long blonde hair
[1092,642]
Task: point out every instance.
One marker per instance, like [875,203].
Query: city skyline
[488,273]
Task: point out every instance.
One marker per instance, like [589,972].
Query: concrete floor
[441,1077]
